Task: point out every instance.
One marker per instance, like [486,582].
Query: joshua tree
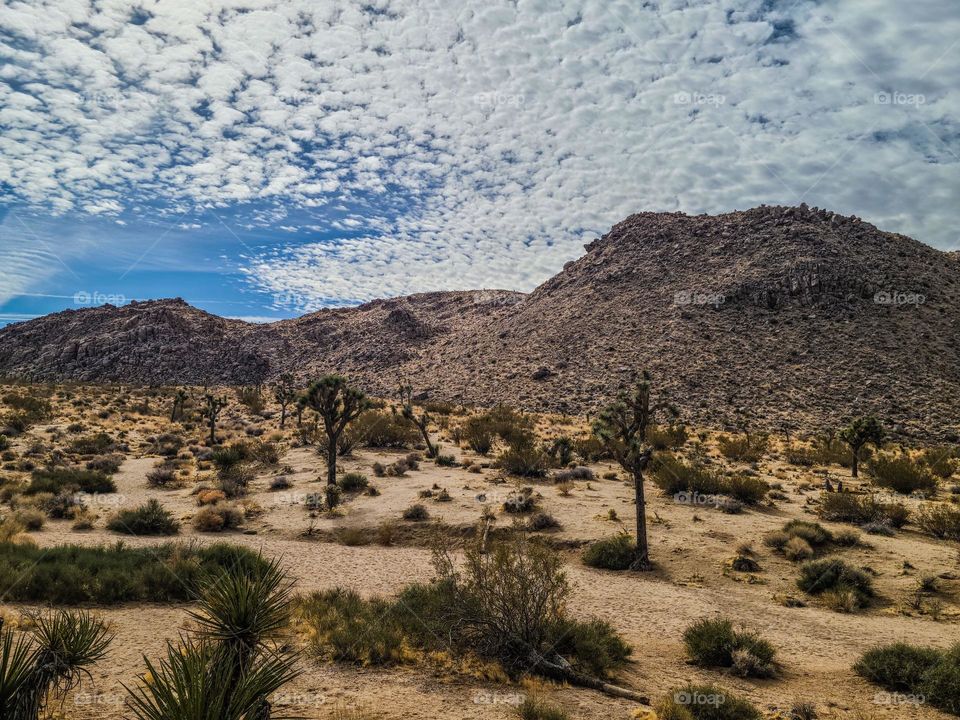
[212,411]
[179,399]
[421,421]
[338,405]
[858,434]
[232,666]
[53,659]
[285,393]
[300,406]
[622,426]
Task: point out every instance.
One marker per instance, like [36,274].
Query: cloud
[473,144]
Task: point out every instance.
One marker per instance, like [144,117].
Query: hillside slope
[793,317]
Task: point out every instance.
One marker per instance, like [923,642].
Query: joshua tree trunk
[856,462]
[332,460]
[642,561]
[283,416]
[213,430]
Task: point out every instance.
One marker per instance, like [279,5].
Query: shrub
[445,460]
[744,449]
[214,518]
[107,464]
[520,502]
[745,488]
[416,513]
[542,521]
[73,575]
[942,521]
[715,643]
[352,482]
[801,455]
[797,549]
[535,708]
[4,443]
[161,477]
[669,437]
[281,482]
[150,518]
[933,674]
[941,461]
[613,553]
[210,497]
[575,473]
[92,444]
[384,430]
[861,509]
[31,520]
[479,434]
[525,460]
[56,480]
[901,475]
[705,702]
[899,667]
[832,574]
[673,476]
[347,628]
[813,533]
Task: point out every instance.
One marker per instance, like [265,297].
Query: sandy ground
[691,546]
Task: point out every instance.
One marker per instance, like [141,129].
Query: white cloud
[483,141]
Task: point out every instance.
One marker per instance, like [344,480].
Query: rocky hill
[793,317]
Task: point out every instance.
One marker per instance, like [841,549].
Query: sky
[266,158]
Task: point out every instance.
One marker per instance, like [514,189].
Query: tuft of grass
[705,702]
[416,513]
[536,708]
[613,553]
[834,575]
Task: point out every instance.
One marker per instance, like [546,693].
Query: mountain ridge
[794,316]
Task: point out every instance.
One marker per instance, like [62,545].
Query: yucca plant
[230,668]
[44,665]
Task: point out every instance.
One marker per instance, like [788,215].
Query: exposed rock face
[798,315]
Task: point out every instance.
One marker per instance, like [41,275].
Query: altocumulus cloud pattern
[411,145]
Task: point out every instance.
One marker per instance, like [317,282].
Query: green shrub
[942,461]
[831,450]
[832,574]
[57,480]
[744,448]
[705,702]
[933,674]
[939,520]
[667,437]
[861,509]
[92,444]
[535,708]
[901,475]
[715,643]
[416,513]
[525,460]
[349,629]
[73,575]
[747,489]
[613,553]
[813,533]
[801,455]
[151,518]
[674,476]
[899,667]
[384,430]
[445,460]
[352,482]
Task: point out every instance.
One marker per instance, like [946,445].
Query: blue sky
[264,158]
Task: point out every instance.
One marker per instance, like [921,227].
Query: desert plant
[60,479]
[233,665]
[179,402]
[716,643]
[421,421]
[338,405]
[705,702]
[151,518]
[536,708]
[285,393]
[212,408]
[939,520]
[523,458]
[748,448]
[217,517]
[353,482]
[416,513]
[622,426]
[41,667]
[859,433]
[931,673]
[901,474]
[745,488]
[613,553]
[861,509]
[833,574]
